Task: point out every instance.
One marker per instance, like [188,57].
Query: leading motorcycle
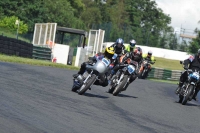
[93,73]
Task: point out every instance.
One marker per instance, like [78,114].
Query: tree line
[141,20]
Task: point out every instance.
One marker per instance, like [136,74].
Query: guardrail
[160,73]
[42,53]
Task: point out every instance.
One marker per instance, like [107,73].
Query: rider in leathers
[194,64]
[119,50]
[109,52]
[136,56]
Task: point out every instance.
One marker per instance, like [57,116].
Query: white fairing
[101,65]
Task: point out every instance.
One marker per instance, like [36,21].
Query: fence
[159,73]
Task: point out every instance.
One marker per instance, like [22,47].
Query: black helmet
[119,42]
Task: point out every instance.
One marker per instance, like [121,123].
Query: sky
[183,13]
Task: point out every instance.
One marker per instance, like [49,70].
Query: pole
[17,22]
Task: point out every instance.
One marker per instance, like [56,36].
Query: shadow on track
[188,104]
[128,96]
[94,95]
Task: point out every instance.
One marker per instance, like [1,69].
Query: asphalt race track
[37,99]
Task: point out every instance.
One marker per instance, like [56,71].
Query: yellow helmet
[109,52]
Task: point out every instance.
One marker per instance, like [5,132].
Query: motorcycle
[120,81]
[188,89]
[93,73]
[146,64]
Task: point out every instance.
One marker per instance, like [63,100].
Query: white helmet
[132,43]
[150,52]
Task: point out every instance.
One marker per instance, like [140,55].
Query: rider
[131,46]
[148,57]
[118,46]
[109,52]
[194,64]
[119,50]
[136,56]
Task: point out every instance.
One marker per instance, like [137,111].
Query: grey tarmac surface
[35,99]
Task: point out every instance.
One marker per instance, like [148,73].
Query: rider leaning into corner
[118,46]
[109,52]
[119,50]
[149,56]
[136,56]
[194,64]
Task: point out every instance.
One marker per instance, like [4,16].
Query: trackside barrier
[12,46]
[42,53]
[160,73]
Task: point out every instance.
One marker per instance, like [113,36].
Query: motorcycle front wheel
[120,86]
[112,84]
[189,94]
[86,85]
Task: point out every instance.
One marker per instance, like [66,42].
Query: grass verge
[167,64]
[165,81]
[15,59]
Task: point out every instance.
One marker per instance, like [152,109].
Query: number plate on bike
[131,69]
[105,61]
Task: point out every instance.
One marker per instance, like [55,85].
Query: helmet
[149,53]
[132,43]
[109,52]
[137,51]
[119,42]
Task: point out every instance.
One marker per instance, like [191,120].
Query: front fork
[88,76]
[185,89]
[121,76]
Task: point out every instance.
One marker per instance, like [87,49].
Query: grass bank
[168,64]
[15,59]
[164,81]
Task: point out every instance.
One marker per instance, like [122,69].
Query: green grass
[165,81]
[167,64]
[20,60]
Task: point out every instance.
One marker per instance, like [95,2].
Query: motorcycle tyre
[120,86]
[190,93]
[86,86]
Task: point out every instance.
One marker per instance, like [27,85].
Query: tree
[9,23]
